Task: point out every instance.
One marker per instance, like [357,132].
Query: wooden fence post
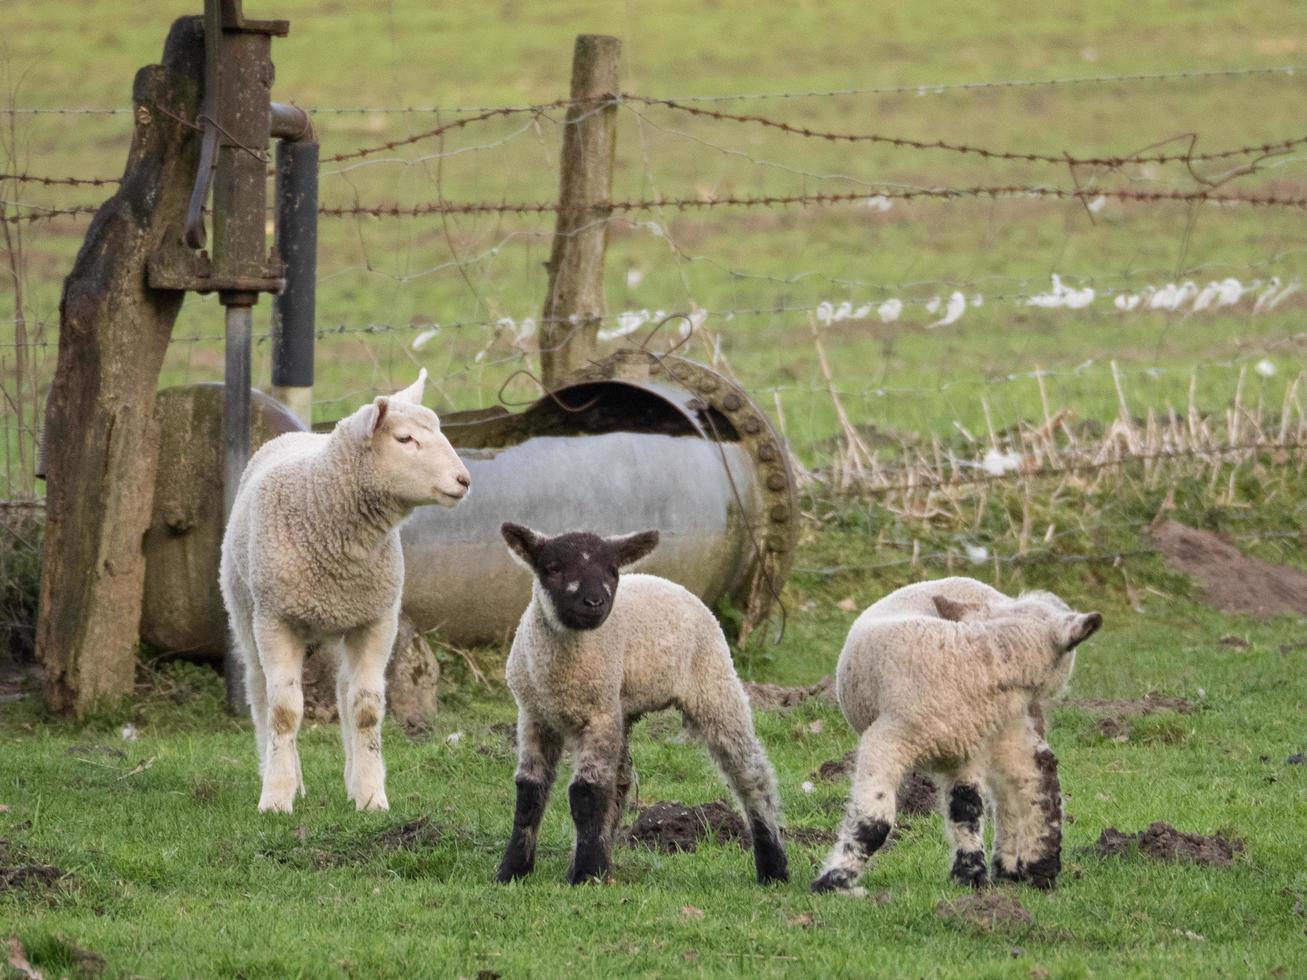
[101,443]
[574,305]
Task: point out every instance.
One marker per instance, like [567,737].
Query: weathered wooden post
[144,251]
[574,304]
[100,447]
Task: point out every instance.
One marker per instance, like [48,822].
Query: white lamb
[956,689]
[589,658]
[311,555]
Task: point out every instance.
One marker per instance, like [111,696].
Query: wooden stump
[101,443]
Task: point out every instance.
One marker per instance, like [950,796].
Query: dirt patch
[1163,842]
[671,826]
[1229,579]
[987,911]
[1234,642]
[410,836]
[1150,704]
[834,769]
[916,796]
[773,697]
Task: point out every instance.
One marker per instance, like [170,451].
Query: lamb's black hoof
[769,856]
[1042,874]
[1002,873]
[835,880]
[969,869]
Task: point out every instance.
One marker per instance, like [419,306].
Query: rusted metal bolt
[696,405]
[777,544]
[767,452]
[776,482]
[732,402]
[708,386]
[780,513]
[752,426]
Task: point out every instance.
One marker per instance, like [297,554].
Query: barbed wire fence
[886,297]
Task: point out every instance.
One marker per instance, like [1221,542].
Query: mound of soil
[916,796]
[1150,704]
[834,769]
[410,836]
[987,911]
[772,697]
[1163,842]
[671,826]
[1229,579]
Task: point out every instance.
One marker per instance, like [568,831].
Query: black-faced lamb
[311,555]
[590,657]
[946,677]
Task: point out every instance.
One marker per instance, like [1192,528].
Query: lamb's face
[406,454]
[578,572]
[415,460]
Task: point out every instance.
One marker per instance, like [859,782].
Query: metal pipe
[293,309]
[290,122]
[235,446]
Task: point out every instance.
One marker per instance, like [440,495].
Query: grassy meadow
[165,868]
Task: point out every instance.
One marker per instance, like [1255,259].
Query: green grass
[169,871]
[398,272]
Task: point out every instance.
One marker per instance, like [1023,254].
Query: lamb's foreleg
[336,650]
[281,654]
[1028,803]
[721,716]
[882,761]
[538,750]
[590,796]
[964,816]
[368,651]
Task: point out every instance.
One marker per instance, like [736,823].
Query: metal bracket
[174,266]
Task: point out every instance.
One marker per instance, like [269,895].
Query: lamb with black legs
[590,657]
[952,676]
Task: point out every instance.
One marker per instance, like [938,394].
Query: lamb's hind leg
[621,786]
[348,732]
[964,814]
[281,654]
[368,651]
[1028,798]
[881,763]
[538,752]
[721,716]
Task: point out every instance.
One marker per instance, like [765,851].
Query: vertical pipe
[236,448]
[293,309]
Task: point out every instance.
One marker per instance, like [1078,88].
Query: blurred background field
[459,293]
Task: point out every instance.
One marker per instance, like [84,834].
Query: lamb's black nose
[592,601]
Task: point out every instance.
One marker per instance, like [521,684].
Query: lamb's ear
[413,393]
[523,543]
[364,423]
[630,548]
[954,611]
[1080,627]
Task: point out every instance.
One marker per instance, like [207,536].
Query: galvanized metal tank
[634,442]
